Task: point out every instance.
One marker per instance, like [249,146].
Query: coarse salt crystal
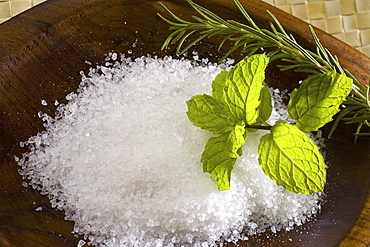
[81,243]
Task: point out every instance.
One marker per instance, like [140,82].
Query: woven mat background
[10,8]
[348,20]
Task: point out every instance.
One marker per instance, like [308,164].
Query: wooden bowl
[42,52]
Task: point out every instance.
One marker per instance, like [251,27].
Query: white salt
[123,161]
[81,243]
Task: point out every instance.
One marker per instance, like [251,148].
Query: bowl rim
[358,63]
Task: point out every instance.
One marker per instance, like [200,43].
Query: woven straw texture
[348,20]
[10,8]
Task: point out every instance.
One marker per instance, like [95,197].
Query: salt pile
[123,161]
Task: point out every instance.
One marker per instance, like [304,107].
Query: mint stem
[260,127]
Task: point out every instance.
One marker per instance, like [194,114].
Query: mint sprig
[234,104]
[241,103]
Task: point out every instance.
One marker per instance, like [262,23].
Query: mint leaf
[291,159]
[218,85]
[318,99]
[243,87]
[217,161]
[209,113]
[265,108]
[236,140]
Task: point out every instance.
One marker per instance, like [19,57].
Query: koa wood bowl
[42,52]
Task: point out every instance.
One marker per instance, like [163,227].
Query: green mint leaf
[317,100]
[218,85]
[217,161]
[236,140]
[209,113]
[265,108]
[291,159]
[243,87]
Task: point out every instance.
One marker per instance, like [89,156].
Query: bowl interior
[42,52]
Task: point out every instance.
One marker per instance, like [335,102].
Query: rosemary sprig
[249,38]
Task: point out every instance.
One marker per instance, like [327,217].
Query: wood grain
[42,52]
